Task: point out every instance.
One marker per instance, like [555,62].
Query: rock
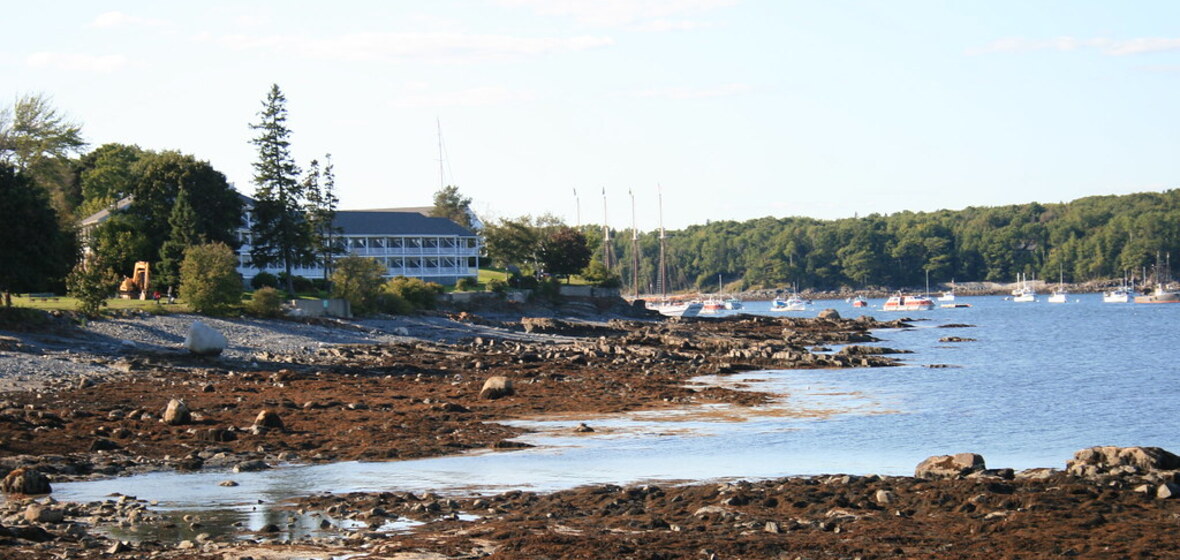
[829,314]
[204,340]
[251,466]
[177,413]
[227,483]
[268,419]
[37,513]
[495,387]
[1167,491]
[119,546]
[884,497]
[25,481]
[583,429]
[950,466]
[1112,460]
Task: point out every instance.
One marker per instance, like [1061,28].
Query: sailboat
[666,307]
[1122,294]
[1059,294]
[1025,292]
[1165,290]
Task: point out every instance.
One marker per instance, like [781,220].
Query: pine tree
[184,235]
[321,213]
[280,228]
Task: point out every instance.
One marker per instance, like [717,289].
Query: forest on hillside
[1092,238]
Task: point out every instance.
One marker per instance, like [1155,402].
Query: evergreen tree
[280,229]
[321,213]
[448,203]
[184,235]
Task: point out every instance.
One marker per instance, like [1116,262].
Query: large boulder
[495,387]
[829,313]
[204,340]
[950,466]
[268,419]
[25,481]
[1112,460]
[177,413]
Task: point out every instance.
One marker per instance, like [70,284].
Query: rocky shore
[120,397]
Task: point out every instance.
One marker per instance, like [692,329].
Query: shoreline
[380,392]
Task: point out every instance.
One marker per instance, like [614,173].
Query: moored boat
[670,308]
[902,302]
[733,303]
[712,305]
[1161,294]
[1118,295]
[1025,292]
[793,303]
[859,301]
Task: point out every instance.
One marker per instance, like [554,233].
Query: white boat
[732,303]
[1025,292]
[948,295]
[1059,294]
[669,308]
[901,302]
[1121,294]
[859,301]
[1117,295]
[1165,291]
[793,303]
[712,305]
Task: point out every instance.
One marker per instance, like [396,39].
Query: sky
[732,109]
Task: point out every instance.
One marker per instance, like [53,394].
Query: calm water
[1041,381]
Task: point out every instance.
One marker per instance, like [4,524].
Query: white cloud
[450,47]
[483,96]
[1112,47]
[689,93]
[636,14]
[77,62]
[120,19]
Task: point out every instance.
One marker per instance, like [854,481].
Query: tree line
[1092,238]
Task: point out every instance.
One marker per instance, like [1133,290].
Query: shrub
[597,274]
[419,293]
[263,280]
[358,280]
[395,304]
[466,285]
[497,285]
[266,302]
[209,280]
[93,284]
[298,283]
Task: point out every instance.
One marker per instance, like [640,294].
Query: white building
[406,243]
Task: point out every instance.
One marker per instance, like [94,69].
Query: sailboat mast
[607,256]
[634,248]
[663,265]
[442,182]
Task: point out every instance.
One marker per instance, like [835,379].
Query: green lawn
[63,303]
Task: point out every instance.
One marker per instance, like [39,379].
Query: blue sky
[739,109]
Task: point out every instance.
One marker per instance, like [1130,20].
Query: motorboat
[712,305]
[1118,295]
[793,303]
[859,301]
[732,303]
[1161,294]
[902,302]
[670,308]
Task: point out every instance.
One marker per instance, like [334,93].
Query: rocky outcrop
[829,313]
[1117,461]
[25,481]
[204,340]
[950,466]
[269,419]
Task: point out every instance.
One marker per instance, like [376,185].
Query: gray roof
[373,222]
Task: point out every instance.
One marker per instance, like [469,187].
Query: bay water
[1038,382]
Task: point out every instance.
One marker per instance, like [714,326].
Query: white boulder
[204,340]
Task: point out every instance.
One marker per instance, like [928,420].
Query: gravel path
[29,360]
